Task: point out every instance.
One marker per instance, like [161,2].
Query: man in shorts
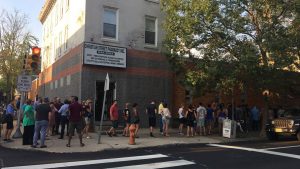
[201,114]
[151,111]
[75,122]
[114,117]
[9,119]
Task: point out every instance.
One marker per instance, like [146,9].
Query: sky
[31,8]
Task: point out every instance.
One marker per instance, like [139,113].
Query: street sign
[106,84]
[24,83]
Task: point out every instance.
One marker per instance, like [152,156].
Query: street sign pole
[106,88]
[24,85]
[18,133]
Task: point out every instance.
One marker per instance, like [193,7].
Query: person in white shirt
[181,118]
[201,114]
[166,116]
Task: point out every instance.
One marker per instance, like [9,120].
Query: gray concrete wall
[130,88]
[131,19]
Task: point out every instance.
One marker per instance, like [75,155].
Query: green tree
[224,45]
[15,41]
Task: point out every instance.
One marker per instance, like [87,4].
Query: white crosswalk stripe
[265,151]
[164,164]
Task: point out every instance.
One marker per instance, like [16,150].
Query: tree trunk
[264,119]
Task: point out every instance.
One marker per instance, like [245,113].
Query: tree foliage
[15,42]
[225,44]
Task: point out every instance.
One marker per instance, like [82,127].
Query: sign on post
[227,128]
[24,83]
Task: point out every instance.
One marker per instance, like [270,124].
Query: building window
[150,30]
[56,84]
[66,37]
[51,86]
[60,43]
[67,5]
[61,10]
[68,80]
[110,23]
[61,82]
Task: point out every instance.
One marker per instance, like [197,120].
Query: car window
[291,113]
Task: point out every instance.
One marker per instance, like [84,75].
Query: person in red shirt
[114,117]
[75,110]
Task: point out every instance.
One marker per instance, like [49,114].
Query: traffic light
[35,58]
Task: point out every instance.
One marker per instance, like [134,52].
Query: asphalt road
[240,155]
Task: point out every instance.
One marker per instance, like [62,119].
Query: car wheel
[298,136]
[273,136]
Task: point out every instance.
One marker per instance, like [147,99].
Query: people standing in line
[209,119]
[127,119]
[51,125]
[222,114]
[166,117]
[28,123]
[57,105]
[43,112]
[201,114]
[37,102]
[190,118]
[76,113]
[136,119]
[255,118]
[114,117]
[9,119]
[64,114]
[88,114]
[214,107]
[160,112]
[181,119]
[18,103]
[151,111]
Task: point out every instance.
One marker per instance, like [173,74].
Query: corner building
[85,39]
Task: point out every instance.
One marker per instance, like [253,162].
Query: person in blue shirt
[64,114]
[9,116]
[209,119]
[255,118]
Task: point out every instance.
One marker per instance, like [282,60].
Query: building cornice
[46,10]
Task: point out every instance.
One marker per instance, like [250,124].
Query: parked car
[287,124]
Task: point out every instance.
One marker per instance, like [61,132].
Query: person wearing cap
[43,113]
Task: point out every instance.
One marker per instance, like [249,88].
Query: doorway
[110,97]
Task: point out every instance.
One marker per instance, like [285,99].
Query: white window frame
[156,29]
[117,23]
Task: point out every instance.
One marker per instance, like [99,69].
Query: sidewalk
[59,146]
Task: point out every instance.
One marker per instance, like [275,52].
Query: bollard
[132,134]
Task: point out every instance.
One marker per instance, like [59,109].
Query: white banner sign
[103,55]
[24,83]
[227,128]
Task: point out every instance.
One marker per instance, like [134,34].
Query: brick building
[83,41]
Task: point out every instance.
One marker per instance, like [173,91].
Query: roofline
[46,10]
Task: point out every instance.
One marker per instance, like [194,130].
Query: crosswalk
[138,162]
[264,151]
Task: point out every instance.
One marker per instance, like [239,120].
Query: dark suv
[287,124]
